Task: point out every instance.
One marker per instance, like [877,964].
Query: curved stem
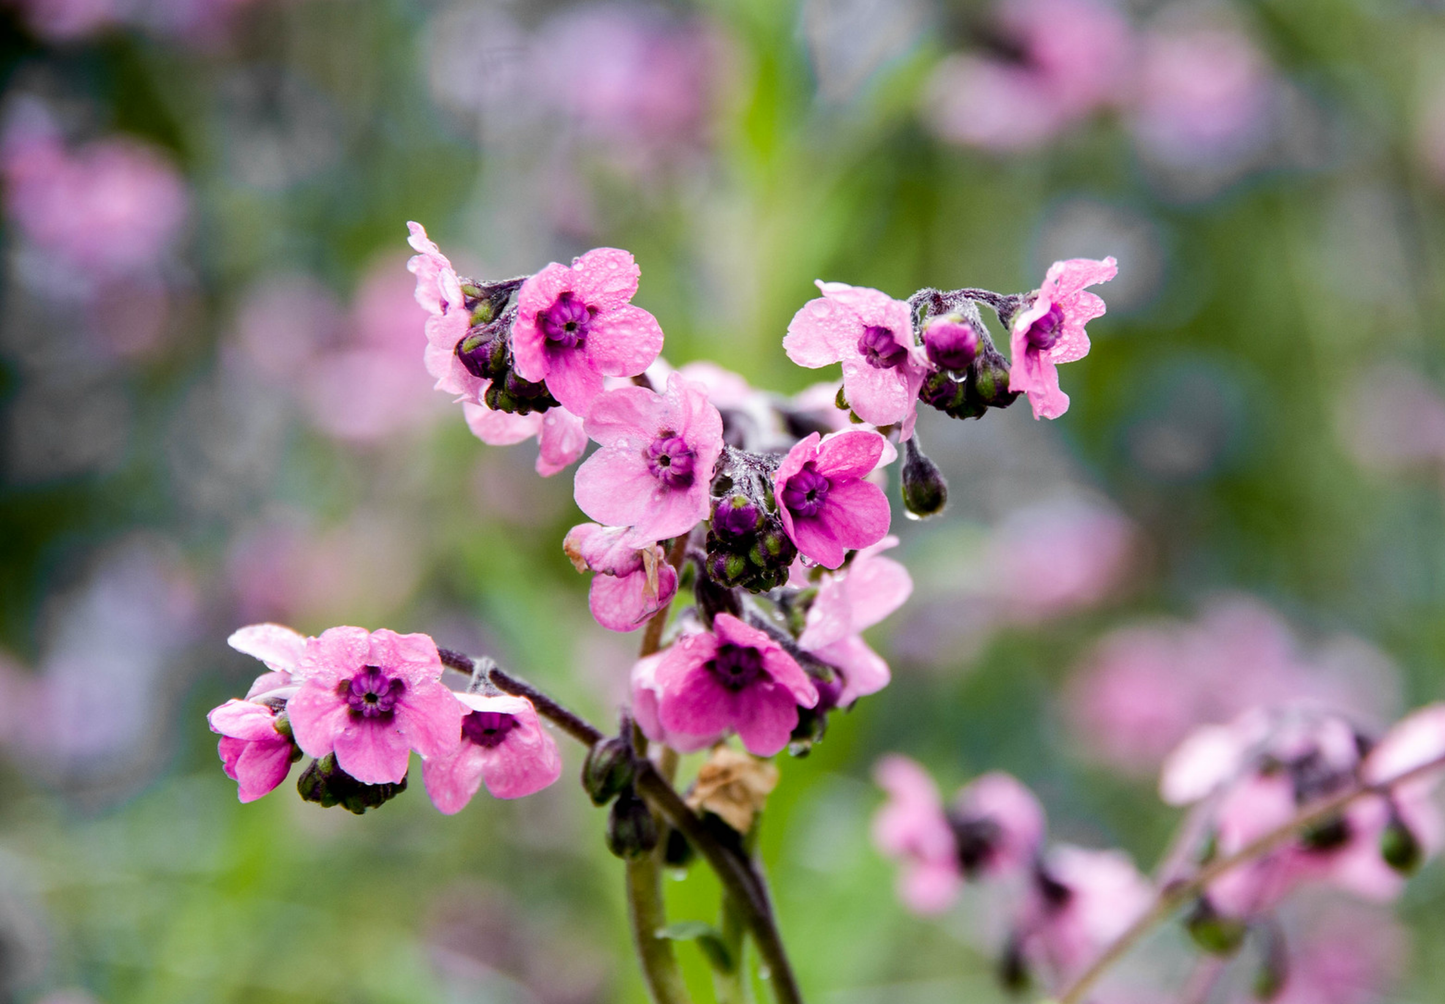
[1176,894]
[648,915]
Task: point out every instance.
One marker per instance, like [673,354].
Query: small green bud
[1212,932]
[1400,847]
[607,770]
[631,830]
[925,492]
[326,784]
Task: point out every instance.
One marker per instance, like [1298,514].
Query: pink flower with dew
[371,697]
[645,699]
[826,505]
[998,825]
[575,325]
[871,334]
[1203,97]
[737,678]
[559,433]
[1050,330]
[502,744]
[111,208]
[654,470]
[913,827]
[849,602]
[630,585]
[276,645]
[439,291]
[256,746]
[1088,899]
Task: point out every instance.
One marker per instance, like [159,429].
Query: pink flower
[439,291]
[871,334]
[655,468]
[575,325]
[559,433]
[630,584]
[279,647]
[1050,330]
[255,751]
[733,678]
[848,603]
[998,825]
[913,827]
[1084,900]
[1050,559]
[826,506]
[502,743]
[645,699]
[370,697]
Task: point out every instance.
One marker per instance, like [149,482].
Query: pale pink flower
[1050,330]
[1085,899]
[998,825]
[576,325]
[439,291]
[871,334]
[370,697]
[826,505]
[255,752]
[1338,953]
[560,436]
[1051,559]
[736,678]
[276,645]
[913,827]
[502,744]
[631,583]
[645,698]
[849,602]
[991,104]
[654,470]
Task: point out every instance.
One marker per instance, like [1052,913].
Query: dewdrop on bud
[631,830]
[925,492]
[950,341]
[607,770]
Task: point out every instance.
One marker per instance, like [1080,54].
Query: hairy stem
[1174,895]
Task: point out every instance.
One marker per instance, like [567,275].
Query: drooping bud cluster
[747,546]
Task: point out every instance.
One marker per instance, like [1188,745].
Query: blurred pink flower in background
[1144,687]
[1067,59]
[62,21]
[1053,558]
[67,20]
[1430,130]
[1392,420]
[112,207]
[1338,952]
[1093,896]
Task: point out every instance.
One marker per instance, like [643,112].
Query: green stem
[1176,894]
[732,986]
[645,909]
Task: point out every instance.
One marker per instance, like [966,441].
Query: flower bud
[941,391]
[988,378]
[677,852]
[327,784]
[925,492]
[1400,847]
[728,569]
[1213,932]
[735,517]
[774,548]
[607,770]
[483,351]
[631,830]
[950,341]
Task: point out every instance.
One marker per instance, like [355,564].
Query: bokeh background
[213,412]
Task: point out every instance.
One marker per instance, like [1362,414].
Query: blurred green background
[236,426]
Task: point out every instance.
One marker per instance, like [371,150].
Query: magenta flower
[655,467]
[1050,330]
[558,432]
[370,697]
[826,506]
[848,603]
[630,584]
[502,743]
[913,827]
[575,325]
[256,751]
[871,334]
[733,678]
[645,699]
[439,291]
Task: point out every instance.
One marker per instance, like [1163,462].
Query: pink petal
[337,652]
[1415,740]
[452,781]
[1065,278]
[279,647]
[429,718]
[561,440]
[374,752]
[606,278]
[623,341]
[243,720]
[879,397]
[814,540]
[876,586]
[820,333]
[1033,373]
[529,344]
[261,767]
[856,514]
[628,417]
[524,763]
[864,670]
[318,716]
[614,487]
[765,716]
[849,454]
[572,380]
[500,428]
[621,603]
[412,656]
[929,888]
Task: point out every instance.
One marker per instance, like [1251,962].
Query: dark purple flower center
[880,348]
[1044,332]
[976,838]
[487,728]
[735,666]
[566,321]
[372,693]
[670,460]
[805,492]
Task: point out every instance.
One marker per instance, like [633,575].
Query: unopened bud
[1213,932]
[950,341]
[728,569]
[483,352]
[607,770]
[774,549]
[988,378]
[736,517]
[326,784]
[677,852]
[925,492]
[941,391]
[631,830]
[1400,847]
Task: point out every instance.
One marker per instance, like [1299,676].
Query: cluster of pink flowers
[1246,781]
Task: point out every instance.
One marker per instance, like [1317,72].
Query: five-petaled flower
[575,325]
[371,697]
[503,744]
[826,506]
[734,677]
[631,583]
[1050,330]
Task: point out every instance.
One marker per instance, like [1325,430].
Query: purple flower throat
[1044,332]
[371,693]
[670,460]
[566,321]
[880,348]
[487,728]
[735,666]
[805,492]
